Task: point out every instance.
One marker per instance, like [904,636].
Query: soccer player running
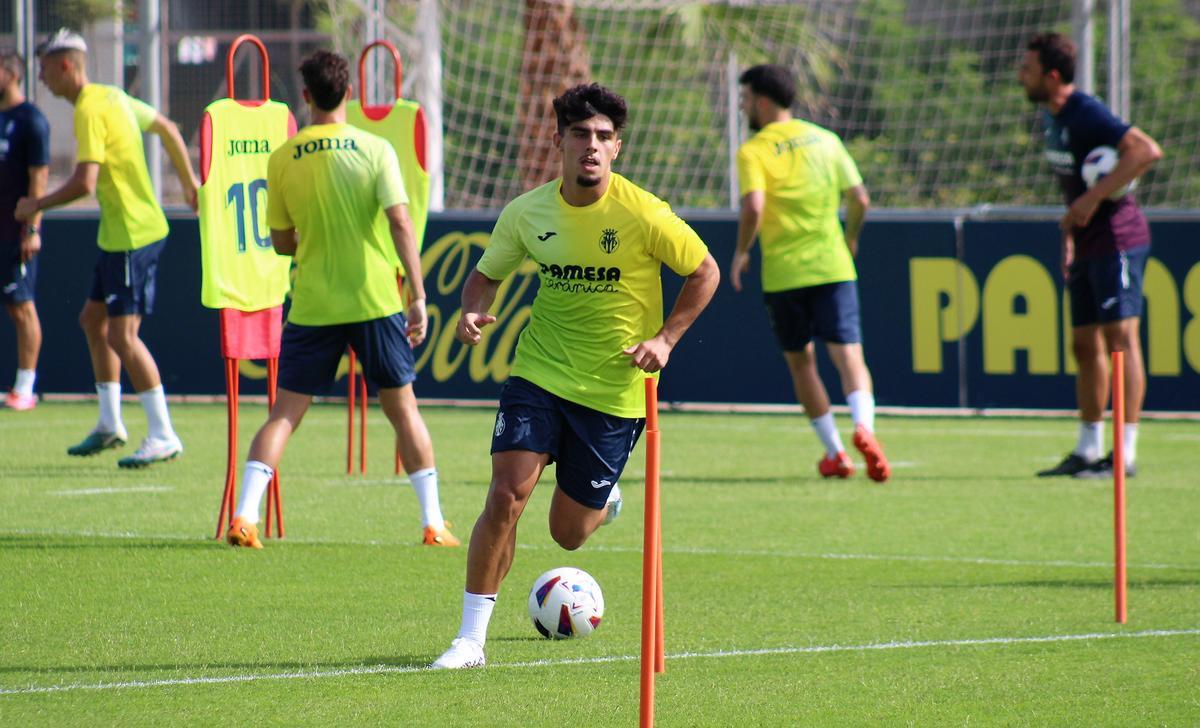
[575,395]
[326,187]
[1105,244]
[24,168]
[793,176]
[110,161]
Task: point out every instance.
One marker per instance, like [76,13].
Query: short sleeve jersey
[108,131]
[1081,125]
[600,287]
[803,170]
[329,183]
[24,143]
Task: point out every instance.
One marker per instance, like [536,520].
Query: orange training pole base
[274,499]
[225,515]
[1118,409]
[651,564]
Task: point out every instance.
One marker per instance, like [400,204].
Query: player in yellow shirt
[575,395]
[110,161]
[793,176]
[325,189]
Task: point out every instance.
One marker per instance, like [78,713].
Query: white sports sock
[1131,433]
[1091,441]
[425,485]
[154,401]
[255,479]
[109,396]
[862,408]
[24,383]
[476,613]
[827,431]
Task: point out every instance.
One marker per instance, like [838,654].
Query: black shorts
[828,312]
[590,447]
[17,281]
[1107,288]
[124,282]
[309,355]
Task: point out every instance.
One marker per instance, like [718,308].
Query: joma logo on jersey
[325,144]
[609,240]
[248,146]
[582,273]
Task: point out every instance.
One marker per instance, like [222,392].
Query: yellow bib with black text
[241,269]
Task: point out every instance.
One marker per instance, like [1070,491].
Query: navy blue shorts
[16,282]
[1107,288]
[828,312]
[590,447]
[124,282]
[309,355]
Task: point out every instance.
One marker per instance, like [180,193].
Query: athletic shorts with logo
[124,282]
[309,355]
[17,281]
[828,312]
[590,448]
[1108,287]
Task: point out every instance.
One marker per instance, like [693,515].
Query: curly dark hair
[326,76]
[587,100]
[1056,52]
[774,82]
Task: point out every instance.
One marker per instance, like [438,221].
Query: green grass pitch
[964,592]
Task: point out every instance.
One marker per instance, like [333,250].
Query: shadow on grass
[261,667]
[48,542]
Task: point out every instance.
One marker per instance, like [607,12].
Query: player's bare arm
[698,289]
[749,220]
[81,184]
[31,239]
[858,201]
[1068,252]
[284,241]
[478,294]
[173,143]
[1137,153]
[405,241]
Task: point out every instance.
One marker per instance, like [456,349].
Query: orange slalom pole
[231,398]
[650,560]
[1118,409]
[351,386]
[274,499]
[362,424]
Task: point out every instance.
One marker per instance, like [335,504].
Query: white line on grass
[107,491]
[400,669]
[682,550]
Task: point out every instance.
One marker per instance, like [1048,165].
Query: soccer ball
[565,603]
[1099,162]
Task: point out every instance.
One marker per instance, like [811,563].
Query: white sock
[425,485]
[1131,432]
[862,408]
[827,431]
[109,395]
[476,613]
[24,383]
[1091,441]
[255,479]
[154,401]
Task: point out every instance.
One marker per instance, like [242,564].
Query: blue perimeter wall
[953,315]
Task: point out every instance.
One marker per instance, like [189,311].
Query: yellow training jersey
[803,170]
[241,268]
[329,183]
[600,287]
[108,130]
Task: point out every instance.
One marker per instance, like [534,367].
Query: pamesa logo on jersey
[609,240]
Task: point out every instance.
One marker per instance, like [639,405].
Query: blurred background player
[576,394]
[793,176]
[111,162]
[24,168]
[1105,244]
[325,189]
